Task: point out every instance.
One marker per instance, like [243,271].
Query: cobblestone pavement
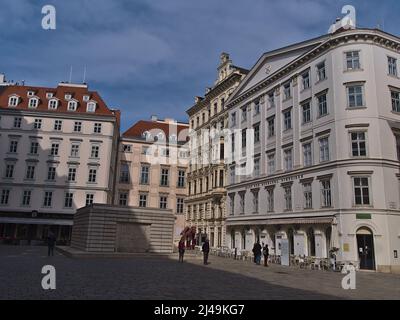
[162,278]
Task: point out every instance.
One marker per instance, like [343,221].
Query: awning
[57,222]
[318,220]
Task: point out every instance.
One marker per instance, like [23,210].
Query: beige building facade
[207,175]
[152,168]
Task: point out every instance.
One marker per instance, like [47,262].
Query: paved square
[163,278]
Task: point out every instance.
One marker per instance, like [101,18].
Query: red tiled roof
[59,93]
[155,127]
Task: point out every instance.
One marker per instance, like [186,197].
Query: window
[54,149]
[271,163]
[221,178]
[37,124]
[233,119]
[49,95]
[215,108]
[307,191]
[127,148]
[51,174]
[287,119]
[30,172]
[72,105]
[255,200]
[123,198]
[395,101]
[288,159]
[244,114]
[34,147]
[288,198]
[179,205]
[91,107]
[256,167]
[286,91]
[33,103]
[307,154]
[353,60]
[324,149]
[71,174]
[89,199]
[270,200]
[13,101]
[146,150]
[92,175]
[144,175]
[326,193]
[13,146]
[143,200]
[94,153]
[163,202]
[53,104]
[48,198]
[257,133]
[124,176]
[233,174]
[305,79]
[17,122]
[68,200]
[271,100]
[358,144]
[97,128]
[68,96]
[257,107]
[232,203]
[355,96]
[244,138]
[322,105]
[57,125]
[26,198]
[321,71]
[164,177]
[77,126]
[361,191]
[392,64]
[242,199]
[271,126]
[181,178]
[9,171]
[5,196]
[75,150]
[306,111]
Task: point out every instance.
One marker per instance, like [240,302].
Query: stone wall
[105,228]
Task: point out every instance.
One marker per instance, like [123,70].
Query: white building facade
[58,154]
[324,175]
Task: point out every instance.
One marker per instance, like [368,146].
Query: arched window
[33,102]
[13,101]
[53,104]
[91,106]
[72,105]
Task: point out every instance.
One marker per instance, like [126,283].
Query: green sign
[363,216]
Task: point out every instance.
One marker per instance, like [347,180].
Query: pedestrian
[266,254]
[257,252]
[181,248]
[51,242]
[206,249]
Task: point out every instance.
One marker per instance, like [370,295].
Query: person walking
[206,249]
[51,242]
[181,248]
[257,252]
[266,255]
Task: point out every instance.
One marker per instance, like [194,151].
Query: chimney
[2,78]
[154,118]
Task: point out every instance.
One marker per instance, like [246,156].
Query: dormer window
[160,136]
[72,105]
[86,98]
[49,95]
[68,96]
[53,104]
[13,101]
[31,93]
[33,102]
[146,135]
[91,106]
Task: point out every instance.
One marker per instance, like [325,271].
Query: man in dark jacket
[51,242]
[266,254]
[257,252]
[206,250]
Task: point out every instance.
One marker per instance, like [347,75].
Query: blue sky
[153,56]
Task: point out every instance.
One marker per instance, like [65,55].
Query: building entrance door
[365,246]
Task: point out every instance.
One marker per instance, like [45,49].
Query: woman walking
[181,248]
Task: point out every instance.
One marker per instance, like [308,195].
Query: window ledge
[353,70]
[356,108]
[320,81]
